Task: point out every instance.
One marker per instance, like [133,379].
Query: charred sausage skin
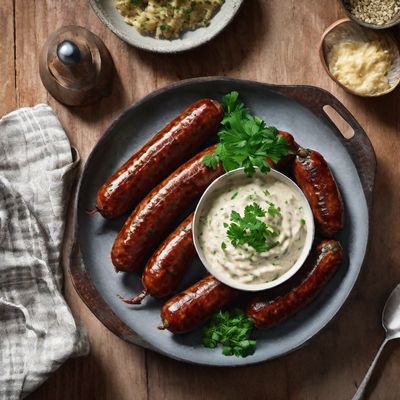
[293,148]
[265,311]
[152,219]
[316,180]
[195,305]
[165,152]
[167,266]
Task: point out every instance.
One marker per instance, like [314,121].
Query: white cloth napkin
[37,330]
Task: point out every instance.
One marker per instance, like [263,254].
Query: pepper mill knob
[76,67]
[68,53]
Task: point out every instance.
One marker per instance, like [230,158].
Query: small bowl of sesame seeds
[375,14]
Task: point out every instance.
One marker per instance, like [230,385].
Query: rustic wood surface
[271,41]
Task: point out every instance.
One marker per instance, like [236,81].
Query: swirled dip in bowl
[253,233]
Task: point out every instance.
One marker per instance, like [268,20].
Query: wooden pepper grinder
[76,67]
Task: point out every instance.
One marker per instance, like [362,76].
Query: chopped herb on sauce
[250,230]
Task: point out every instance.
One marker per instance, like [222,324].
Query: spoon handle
[363,385]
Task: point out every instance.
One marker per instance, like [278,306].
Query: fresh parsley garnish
[252,231]
[210,161]
[245,140]
[273,211]
[232,330]
[234,195]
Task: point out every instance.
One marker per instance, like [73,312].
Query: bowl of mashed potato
[253,233]
[166,26]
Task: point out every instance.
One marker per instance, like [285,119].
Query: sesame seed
[379,12]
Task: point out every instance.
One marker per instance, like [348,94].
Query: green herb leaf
[273,210]
[232,330]
[252,231]
[210,161]
[245,140]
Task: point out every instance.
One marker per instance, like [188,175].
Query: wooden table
[271,41]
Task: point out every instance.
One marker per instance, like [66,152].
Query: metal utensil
[391,324]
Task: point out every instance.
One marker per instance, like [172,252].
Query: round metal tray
[297,109]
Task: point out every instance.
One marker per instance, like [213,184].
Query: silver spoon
[391,324]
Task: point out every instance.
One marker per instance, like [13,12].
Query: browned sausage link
[165,152]
[315,179]
[292,151]
[293,146]
[152,219]
[191,308]
[167,266]
[265,311]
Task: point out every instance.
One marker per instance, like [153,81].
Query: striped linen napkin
[37,330]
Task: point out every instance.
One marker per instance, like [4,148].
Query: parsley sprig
[245,140]
[252,231]
[232,330]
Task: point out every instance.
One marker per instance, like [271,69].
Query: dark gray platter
[297,109]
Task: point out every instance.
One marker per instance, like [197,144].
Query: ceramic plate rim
[165,46]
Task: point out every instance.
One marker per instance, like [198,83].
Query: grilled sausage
[165,152]
[167,266]
[151,221]
[315,179]
[292,151]
[293,146]
[266,311]
[195,305]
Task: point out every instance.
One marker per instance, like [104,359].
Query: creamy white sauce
[243,263]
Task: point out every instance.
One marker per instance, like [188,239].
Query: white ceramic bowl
[203,206]
[109,15]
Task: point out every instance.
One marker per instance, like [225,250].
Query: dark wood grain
[7,62]
[271,41]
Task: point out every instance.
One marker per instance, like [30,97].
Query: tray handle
[358,146]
